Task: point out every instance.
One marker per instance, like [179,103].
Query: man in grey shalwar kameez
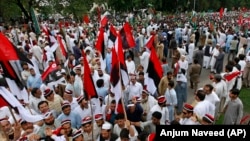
[233,109]
[219,61]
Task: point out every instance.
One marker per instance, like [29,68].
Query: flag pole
[122,95]
[91,110]
[12,114]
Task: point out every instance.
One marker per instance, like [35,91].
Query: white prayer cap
[47,115]
[218,44]
[106,126]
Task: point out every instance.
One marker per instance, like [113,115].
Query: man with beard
[84,108]
[164,83]
[147,102]
[49,122]
[13,133]
[99,121]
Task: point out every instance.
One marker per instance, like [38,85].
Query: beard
[100,75]
[50,123]
[144,100]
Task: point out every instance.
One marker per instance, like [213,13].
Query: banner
[35,22]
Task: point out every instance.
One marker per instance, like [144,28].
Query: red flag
[114,75]
[52,67]
[59,39]
[86,19]
[3,102]
[123,67]
[100,42]
[120,108]
[112,33]
[154,71]
[127,36]
[9,52]
[150,43]
[232,75]
[46,30]
[221,12]
[89,87]
[104,21]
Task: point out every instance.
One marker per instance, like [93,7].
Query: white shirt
[134,90]
[83,112]
[163,111]
[144,59]
[212,97]
[220,88]
[187,121]
[130,66]
[106,79]
[204,107]
[33,102]
[117,130]
[108,99]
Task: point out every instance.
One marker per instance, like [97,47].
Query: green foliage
[17,8]
[245,98]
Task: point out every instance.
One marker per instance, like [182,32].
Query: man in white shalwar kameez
[160,107]
[215,53]
[191,48]
[203,106]
[144,58]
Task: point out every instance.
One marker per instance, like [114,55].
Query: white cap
[106,126]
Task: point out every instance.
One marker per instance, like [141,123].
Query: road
[204,78]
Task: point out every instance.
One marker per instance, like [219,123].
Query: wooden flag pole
[12,114]
[92,113]
[122,95]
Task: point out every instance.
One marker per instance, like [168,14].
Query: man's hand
[34,137]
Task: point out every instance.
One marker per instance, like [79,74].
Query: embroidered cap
[209,118]
[47,92]
[69,92]
[86,120]
[98,116]
[188,107]
[161,99]
[65,121]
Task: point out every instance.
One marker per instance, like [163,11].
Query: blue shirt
[34,81]
[108,59]
[102,92]
[75,119]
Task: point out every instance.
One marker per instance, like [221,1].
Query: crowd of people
[184,46]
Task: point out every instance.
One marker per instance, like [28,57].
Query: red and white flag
[50,69]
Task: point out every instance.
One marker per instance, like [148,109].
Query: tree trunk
[25,12]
